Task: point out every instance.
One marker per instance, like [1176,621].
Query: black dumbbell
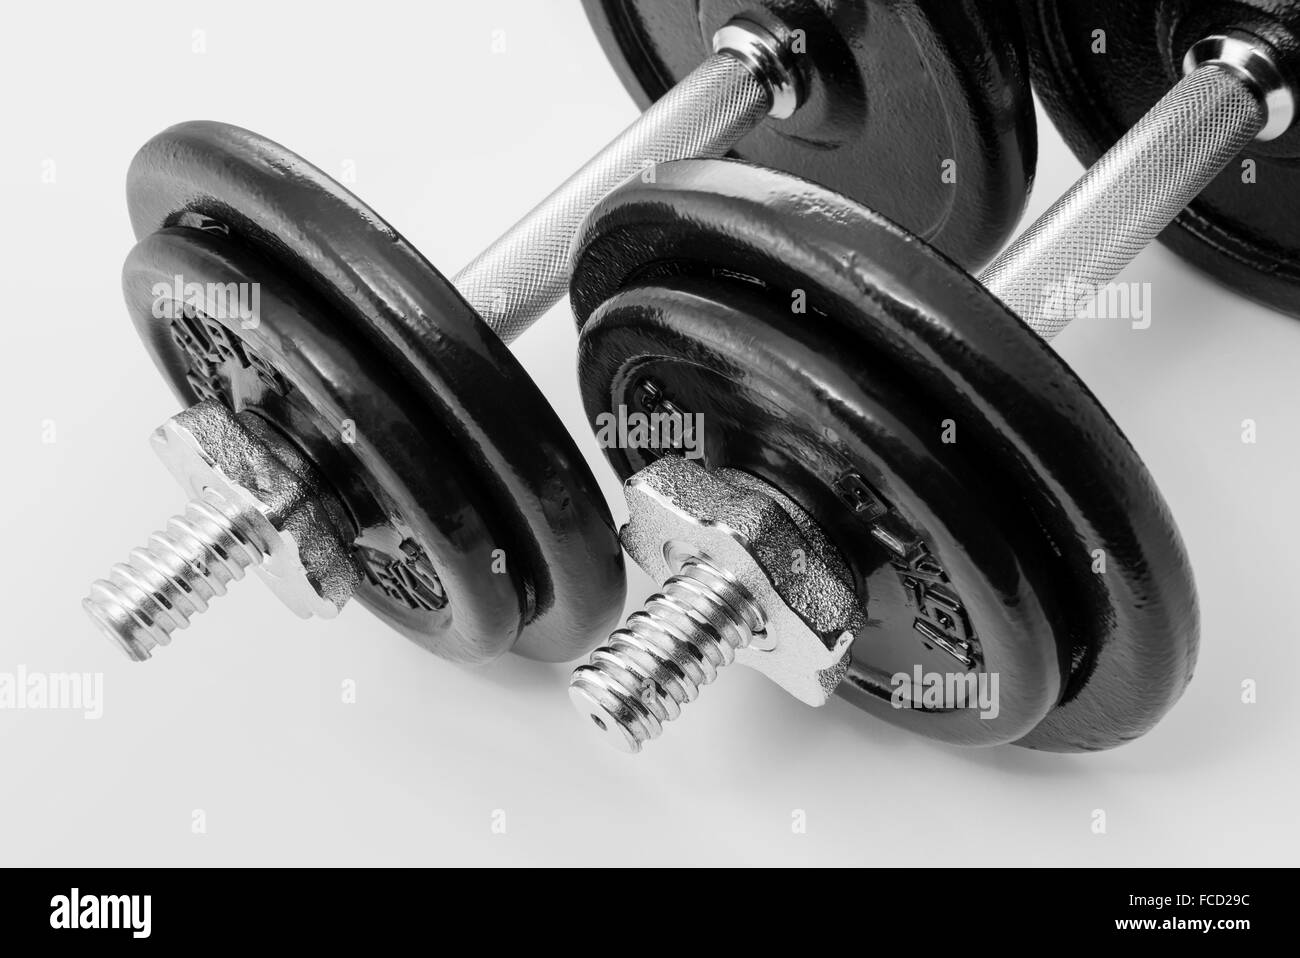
[470,526]
[360,431]
[1017,575]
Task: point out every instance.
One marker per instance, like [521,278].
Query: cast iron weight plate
[457,454]
[308,379]
[1245,234]
[689,282]
[762,383]
[897,87]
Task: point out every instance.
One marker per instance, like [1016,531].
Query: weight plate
[764,386]
[1100,66]
[870,350]
[493,494]
[902,96]
[294,363]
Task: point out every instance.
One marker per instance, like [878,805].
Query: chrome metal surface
[769,59]
[526,271]
[249,509]
[1128,197]
[747,576]
[1256,65]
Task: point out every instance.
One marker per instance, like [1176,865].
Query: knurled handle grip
[1128,197]
[524,273]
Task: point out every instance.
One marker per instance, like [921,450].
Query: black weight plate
[896,88]
[1242,230]
[303,370]
[1036,458]
[779,402]
[514,479]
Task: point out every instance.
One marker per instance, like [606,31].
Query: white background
[241,717]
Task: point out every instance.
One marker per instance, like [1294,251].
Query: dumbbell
[351,426]
[901,493]
[323,517]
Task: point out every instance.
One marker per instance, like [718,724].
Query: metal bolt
[249,509]
[657,663]
[165,584]
[747,576]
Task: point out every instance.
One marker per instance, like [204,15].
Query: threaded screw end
[664,654]
[172,579]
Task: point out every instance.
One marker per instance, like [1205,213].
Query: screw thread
[166,583]
[665,654]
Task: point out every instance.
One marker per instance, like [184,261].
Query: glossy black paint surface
[895,89]
[395,478]
[456,445]
[779,402]
[692,279]
[1245,234]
